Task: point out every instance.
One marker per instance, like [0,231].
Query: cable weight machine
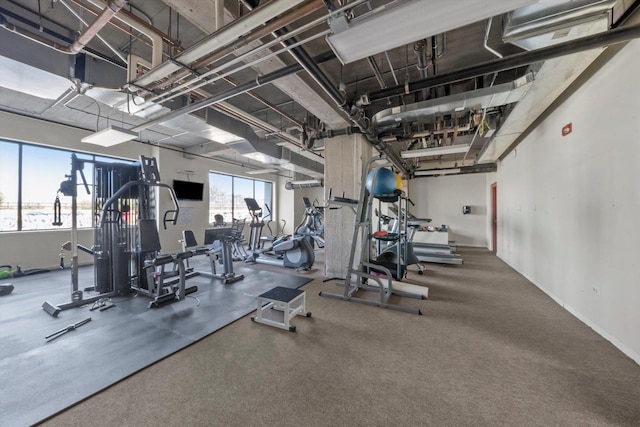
[126,244]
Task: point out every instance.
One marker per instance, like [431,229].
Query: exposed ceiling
[434,84]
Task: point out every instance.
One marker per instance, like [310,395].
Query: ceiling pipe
[619,35]
[230,93]
[422,63]
[85,37]
[267,103]
[98,36]
[155,36]
[376,71]
[38,38]
[265,30]
[216,40]
[486,39]
[111,8]
[356,114]
[144,28]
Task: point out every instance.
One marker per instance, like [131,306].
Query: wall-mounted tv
[188,190]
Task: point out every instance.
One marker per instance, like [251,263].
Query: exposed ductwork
[111,8]
[582,44]
[489,97]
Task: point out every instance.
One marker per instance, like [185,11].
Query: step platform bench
[291,302]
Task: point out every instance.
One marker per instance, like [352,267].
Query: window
[9,186]
[227,194]
[30,177]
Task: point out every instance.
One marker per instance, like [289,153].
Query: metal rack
[365,272]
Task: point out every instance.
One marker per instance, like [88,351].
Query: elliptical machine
[286,251]
[311,226]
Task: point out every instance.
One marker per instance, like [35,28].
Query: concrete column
[344,158]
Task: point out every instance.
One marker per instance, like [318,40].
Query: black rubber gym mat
[41,378]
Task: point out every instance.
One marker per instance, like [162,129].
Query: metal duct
[582,44]
[478,99]
[356,114]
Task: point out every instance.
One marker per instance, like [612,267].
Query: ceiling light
[310,183]
[112,135]
[437,151]
[437,172]
[404,21]
[261,171]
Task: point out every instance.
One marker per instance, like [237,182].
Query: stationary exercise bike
[285,251]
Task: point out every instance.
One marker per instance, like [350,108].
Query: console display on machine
[188,190]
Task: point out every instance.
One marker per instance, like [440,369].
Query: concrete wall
[441,198]
[344,157]
[568,206]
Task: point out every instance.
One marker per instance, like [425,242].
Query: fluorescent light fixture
[261,171]
[292,185]
[405,21]
[436,151]
[112,135]
[437,172]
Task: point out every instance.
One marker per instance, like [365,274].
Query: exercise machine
[365,271]
[311,226]
[427,252]
[285,251]
[218,244]
[401,236]
[126,250]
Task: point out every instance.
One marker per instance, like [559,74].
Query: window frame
[244,214]
[20,208]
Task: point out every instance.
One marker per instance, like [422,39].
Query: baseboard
[619,345]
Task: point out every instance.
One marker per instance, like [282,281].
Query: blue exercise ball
[386,181]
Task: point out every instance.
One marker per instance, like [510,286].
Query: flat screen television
[188,190]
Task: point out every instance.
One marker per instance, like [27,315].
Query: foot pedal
[53,310]
[107,306]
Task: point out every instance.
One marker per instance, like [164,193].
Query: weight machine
[126,248]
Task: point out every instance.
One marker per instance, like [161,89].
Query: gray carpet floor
[490,350]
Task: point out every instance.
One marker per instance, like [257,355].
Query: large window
[227,194]
[9,186]
[30,177]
